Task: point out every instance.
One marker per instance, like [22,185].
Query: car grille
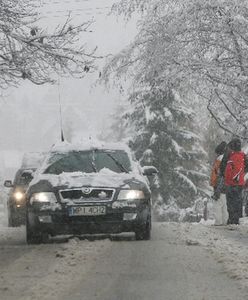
[87,195]
[86,219]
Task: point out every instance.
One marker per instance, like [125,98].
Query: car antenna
[60,115]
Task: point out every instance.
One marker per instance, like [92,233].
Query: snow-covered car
[16,203]
[89,190]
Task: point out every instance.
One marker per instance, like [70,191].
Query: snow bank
[228,244]
[173,213]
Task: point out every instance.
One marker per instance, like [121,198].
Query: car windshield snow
[88,161]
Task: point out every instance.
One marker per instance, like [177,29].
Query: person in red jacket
[235,164]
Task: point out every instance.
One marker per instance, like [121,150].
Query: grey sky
[29,115]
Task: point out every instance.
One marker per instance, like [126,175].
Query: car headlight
[131,195]
[18,196]
[43,198]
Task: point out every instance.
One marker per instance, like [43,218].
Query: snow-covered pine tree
[165,137]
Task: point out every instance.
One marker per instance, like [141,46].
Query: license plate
[87,211]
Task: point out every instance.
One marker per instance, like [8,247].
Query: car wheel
[15,221]
[32,236]
[12,221]
[144,232]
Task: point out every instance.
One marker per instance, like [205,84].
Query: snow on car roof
[32,160]
[88,145]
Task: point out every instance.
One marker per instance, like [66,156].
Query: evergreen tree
[165,138]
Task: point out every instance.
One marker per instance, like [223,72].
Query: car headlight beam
[19,196]
[131,195]
[45,197]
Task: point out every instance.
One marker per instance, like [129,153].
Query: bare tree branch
[28,52]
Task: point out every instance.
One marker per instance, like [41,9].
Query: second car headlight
[46,197]
[19,196]
[131,195]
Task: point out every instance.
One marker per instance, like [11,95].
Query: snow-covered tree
[29,52]
[199,46]
[165,137]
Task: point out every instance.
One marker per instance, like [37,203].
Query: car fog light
[129,216]
[45,219]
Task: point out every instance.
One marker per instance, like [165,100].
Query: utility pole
[60,114]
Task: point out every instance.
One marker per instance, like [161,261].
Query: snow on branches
[198,46]
[28,52]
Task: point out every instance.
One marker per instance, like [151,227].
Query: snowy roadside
[228,244]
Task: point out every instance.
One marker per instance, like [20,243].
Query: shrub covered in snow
[173,213]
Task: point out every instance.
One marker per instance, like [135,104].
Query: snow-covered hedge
[172,213]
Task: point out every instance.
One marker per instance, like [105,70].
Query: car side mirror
[149,170]
[8,183]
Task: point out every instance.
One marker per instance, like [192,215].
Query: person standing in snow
[219,205]
[233,167]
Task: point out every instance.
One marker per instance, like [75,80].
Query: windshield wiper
[94,166]
[93,162]
[119,164]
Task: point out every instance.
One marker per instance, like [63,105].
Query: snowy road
[182,261]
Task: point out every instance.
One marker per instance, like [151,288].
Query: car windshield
[24,178]
[88,161]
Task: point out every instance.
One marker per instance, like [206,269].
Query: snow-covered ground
[228,244]
[182,261]
[50,271]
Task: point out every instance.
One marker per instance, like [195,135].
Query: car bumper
[17,210]
[59,222]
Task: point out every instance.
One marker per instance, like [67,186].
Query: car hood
[104,178]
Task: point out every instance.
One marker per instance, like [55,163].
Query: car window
[24,178]
[88,162]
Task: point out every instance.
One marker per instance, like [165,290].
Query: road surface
[175,264]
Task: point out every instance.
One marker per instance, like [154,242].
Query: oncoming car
[16,201]
[89,190]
